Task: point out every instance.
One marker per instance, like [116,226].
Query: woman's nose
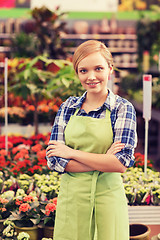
[91,76]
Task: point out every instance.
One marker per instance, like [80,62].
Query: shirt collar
[109,102]
[80,101]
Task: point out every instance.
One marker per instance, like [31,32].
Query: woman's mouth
[92,84]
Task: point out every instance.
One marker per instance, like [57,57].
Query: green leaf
[26,74]
[33,62]
[65,82]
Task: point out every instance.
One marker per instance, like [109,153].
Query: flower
[24,155]
[48,212]
[8,232]
[23,236]
[3,208]
[27,212]
[142,189]
[139,161]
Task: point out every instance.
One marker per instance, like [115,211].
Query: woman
[92,142]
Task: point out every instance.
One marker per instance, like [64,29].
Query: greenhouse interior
[37,79]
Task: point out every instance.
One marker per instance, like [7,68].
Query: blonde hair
[90,47]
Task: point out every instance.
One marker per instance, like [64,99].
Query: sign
[82,5]
[147,96]
[15,3]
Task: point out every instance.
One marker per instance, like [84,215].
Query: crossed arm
[83,161]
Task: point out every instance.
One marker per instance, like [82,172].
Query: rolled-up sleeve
[125,131]
[56,163]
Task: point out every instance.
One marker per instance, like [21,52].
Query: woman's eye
[83,71]
[99,68]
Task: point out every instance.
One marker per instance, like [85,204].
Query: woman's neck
[92,101]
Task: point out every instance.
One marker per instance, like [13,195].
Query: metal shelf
[99,36]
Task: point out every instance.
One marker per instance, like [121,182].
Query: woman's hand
[115,147]
[59,150]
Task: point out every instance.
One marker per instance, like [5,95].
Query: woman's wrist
[74,154]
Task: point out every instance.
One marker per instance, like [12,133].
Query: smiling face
[93,72]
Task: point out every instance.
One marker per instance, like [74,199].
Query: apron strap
[77,109]
[108,113]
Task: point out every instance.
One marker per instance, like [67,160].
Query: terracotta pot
[32,231]
[139,232]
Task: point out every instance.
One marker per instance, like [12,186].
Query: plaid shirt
[123,120]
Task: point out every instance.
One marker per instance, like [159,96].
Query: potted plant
[3,211]
[26,215]
[48,211]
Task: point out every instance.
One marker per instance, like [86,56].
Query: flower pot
[32,231]
[1,225]
[48,232]
[139,232]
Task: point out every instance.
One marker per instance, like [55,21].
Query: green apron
[91,205]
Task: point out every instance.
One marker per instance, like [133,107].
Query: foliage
[24,45]
[48,27]
[38,79]
[31,80]
[147,36]
[67,83]
[41,34]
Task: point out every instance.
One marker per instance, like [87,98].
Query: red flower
[21,154]
[42,162]
[2,161]
[28,198]
[31,170]
[31,108]
[15,150]
[3,209]
[36,148]
[24,207]
[3,152]
[148,199]
[3,201]
[54,200]
[41,154]
[37,168]
[50,207]
[18,202]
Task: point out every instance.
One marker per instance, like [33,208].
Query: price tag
[147,96]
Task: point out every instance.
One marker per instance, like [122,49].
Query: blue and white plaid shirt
[123,120]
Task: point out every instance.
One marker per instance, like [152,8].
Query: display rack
[122,46]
